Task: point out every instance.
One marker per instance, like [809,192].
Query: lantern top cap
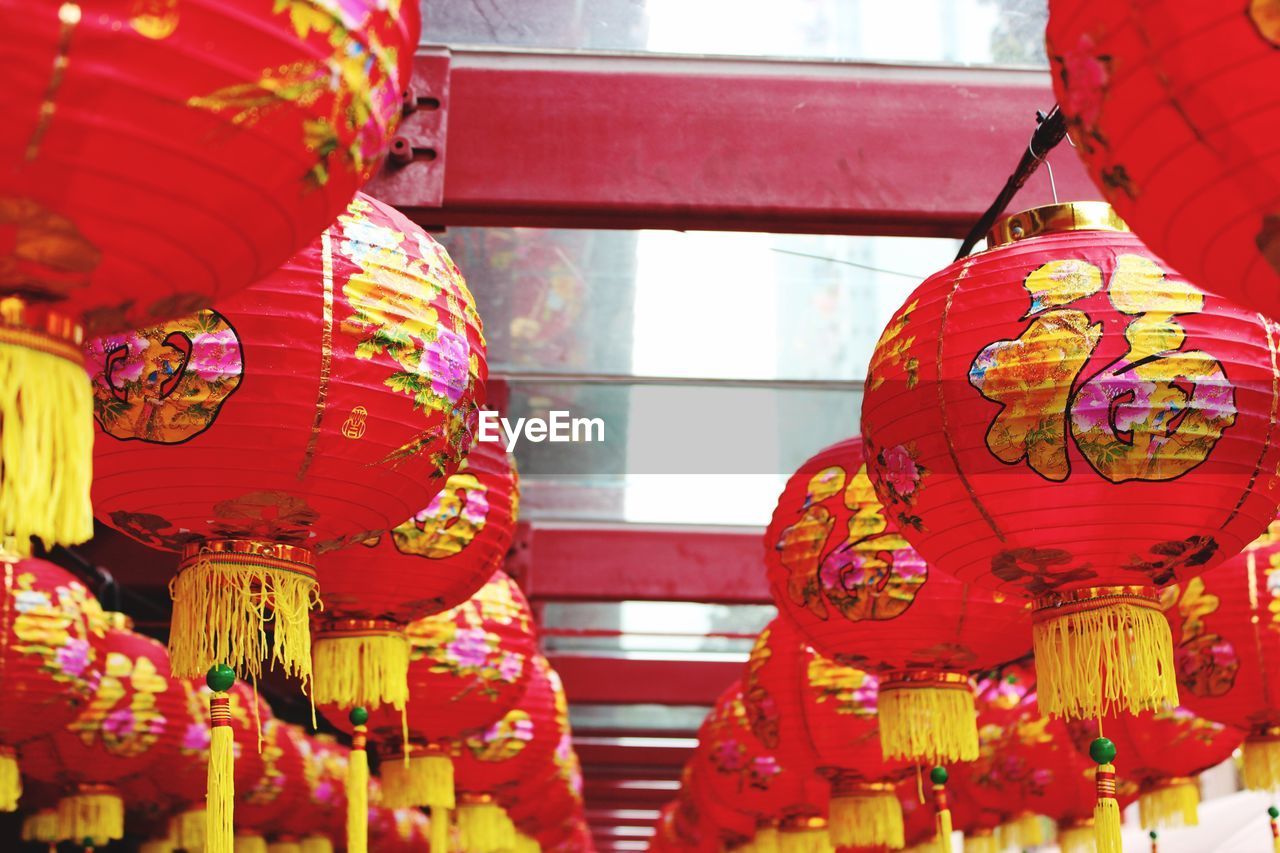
[1055,219]
[799,823]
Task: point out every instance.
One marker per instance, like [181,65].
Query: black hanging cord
[1050,129]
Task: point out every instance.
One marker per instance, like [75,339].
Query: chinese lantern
[135,719]
[1226,628]
[433,562]
[1163,752]
[1002,697]
[102,99]
[51,658]
[365,350]
[323,815]
[1168,104]
[859,593]
[469,666]
[841,728]
[263,806]
[1064,418]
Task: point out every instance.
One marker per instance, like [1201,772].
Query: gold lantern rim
[1055,219]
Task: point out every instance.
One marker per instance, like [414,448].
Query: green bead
[1273,811]
[220,678]
[1152,834]
[358,716]
[1102,750]
[938,775]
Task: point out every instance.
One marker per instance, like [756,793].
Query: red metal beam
[645,564]
[610,141]
[643,753]
[622,680]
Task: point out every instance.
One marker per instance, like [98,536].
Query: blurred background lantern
[1064,418]
[840,570]
[1226,629]
[367,352]
[102,98]
[263,807]
[1163,753]
[467,668]
[842,730]
[1001,697]
[136,719]
[52,650]
[1169,105]
[320,819]
[432,562]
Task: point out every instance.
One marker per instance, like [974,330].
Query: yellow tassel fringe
[157,845]
[369,670]
[944,831]
[189,829]
[10,780]
[439,828]
[981,841]
[316,844]
[426,781]
[358,796]
[483,827]
[525,844]
[808,840]
[46,448]
[1106,819]
[1077,839]
[284,847]
[935,725]
[42,827]
[1170,805]
[871,819]
[766,839]
[95,816]
[1260,764]
[1117,658]
[1026,830]
[222,610]
[250,842]
[220,795]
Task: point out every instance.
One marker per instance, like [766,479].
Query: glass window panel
[587,717]
[1006,32]
[655,629]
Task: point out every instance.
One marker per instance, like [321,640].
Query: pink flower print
[864,695]
[763,769]
[127,369]
[511,667]
[469,648]
[324,791]
[522,730]
[1085,75]
[447,360]
[476,509]
[728,756]
[901,470]
[73,658]
[195,738]
[120,723]
[215,355]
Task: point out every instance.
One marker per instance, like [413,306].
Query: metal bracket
[413,171]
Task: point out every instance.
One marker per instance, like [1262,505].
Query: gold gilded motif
[356,423]
[154,19]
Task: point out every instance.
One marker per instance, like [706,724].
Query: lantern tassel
[1078,838]
[483,826]
[93,814]
[942,810]
[286,845]
[189,829]
[1106,811]
[156,845]
[10,780]
[369,669]
[928,716]
[427,780]
[767,839]
[1260,767]
[41,827]
[250,842]
[358,783]
[866,815]
[46,446]
[221,792]
[316,844]
[981,841]
[525,844]
[1100,651]
[1172,803]
[439,828]
[1025,830]
[224,602]
[806,839]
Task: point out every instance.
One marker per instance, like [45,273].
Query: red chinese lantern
[263,806]
[1002,697]
[431,563]
[842,730]
[1163,752]
[1168,105]
[367,353]
[104,97]
[1064,418]
[51,658]
[839,568]
[467,668]
[135,720]
[322,816]
[1226,628]
[503,754]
